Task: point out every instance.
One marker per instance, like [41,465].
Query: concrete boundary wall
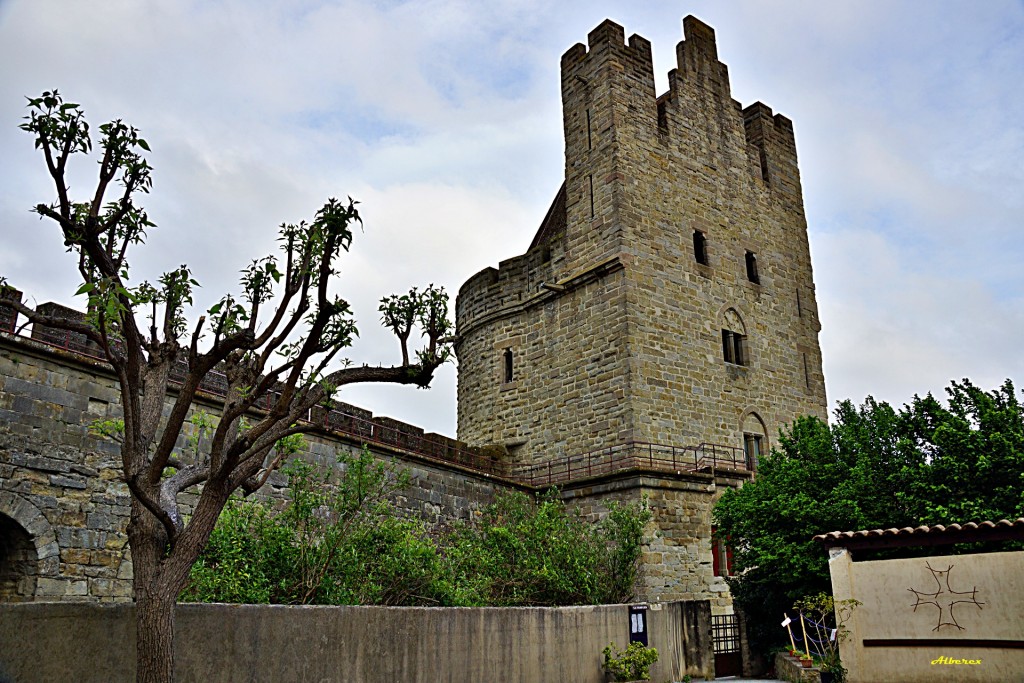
[924,619]
[95,643]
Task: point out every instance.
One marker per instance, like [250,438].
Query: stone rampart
[64,507]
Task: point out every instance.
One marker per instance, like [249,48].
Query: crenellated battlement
[608,38]
[697,56]
[516,282]
[609,98]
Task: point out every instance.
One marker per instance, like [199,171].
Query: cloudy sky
[442,117]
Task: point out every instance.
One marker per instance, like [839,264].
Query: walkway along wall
[261,643]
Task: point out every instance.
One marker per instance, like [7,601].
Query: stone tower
[667,297]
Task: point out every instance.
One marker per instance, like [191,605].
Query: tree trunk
[155,596]
[154,634]
[159,577]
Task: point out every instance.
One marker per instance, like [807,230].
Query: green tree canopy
[873,467]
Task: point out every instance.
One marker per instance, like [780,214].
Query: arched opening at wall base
[19,562]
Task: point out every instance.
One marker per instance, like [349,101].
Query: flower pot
[828,677]
[807,663]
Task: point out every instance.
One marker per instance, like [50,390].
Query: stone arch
[731,317]
[755,438]
[28,548]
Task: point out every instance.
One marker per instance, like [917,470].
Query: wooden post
[803,627]
[792,643]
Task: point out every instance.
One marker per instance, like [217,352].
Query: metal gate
[725,638]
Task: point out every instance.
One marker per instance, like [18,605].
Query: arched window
[734,339]
[755,442]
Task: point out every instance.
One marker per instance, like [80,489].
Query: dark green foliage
[875,467]
[247,560]
[337,544]
[534,552]
[342,544]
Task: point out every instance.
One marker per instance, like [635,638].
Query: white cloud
[443,118]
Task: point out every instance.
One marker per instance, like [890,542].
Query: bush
[525,551]
[633,664]
[342,543]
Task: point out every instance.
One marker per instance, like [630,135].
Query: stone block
[68,482]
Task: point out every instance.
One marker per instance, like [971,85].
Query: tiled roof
[926,535]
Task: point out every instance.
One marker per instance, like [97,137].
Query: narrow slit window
[507,357]
[700,247]
[799,306]
[590,181]
[807,372]
[751,260]
[590,141]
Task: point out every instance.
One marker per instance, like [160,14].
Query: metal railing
[633,455]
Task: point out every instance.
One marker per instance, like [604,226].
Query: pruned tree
[277,343]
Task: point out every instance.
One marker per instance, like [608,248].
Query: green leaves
[341,542]
[632,664]
[429,309]
[535,552]
[874,467]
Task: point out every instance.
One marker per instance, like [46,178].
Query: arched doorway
[19,562]
[28,548]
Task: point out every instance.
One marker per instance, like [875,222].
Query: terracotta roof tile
[929,535]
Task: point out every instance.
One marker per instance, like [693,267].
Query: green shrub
[632,664]
[341,542]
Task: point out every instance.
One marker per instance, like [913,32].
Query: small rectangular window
[700,247]
[734,347]
[752,268]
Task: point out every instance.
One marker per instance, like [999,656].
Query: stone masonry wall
[64,509]
[676,560]
[615,329]
[569,377]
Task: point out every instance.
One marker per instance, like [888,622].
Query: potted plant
[828,618]
[631,664]
[832,671]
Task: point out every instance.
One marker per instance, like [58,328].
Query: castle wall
[677,554]
[704,164]
[569,369]
[64,508]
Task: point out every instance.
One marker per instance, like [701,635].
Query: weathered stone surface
[66,491]
[615,328]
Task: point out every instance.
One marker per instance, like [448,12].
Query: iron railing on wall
[633,455]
